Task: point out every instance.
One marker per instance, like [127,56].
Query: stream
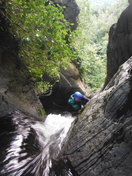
[31,147]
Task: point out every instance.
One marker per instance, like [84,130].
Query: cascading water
[29,147]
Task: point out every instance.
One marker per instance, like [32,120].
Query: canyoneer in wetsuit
[76,101]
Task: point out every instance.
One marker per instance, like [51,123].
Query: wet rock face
[120,42]
[16,91]
[100,143]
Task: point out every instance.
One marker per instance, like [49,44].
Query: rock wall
[16,90]
[101,140]
[120,42]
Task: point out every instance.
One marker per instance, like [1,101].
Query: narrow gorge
[96,143]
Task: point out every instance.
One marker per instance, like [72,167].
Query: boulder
[101,140]
[120,42]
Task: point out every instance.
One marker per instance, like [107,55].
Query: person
[77,102]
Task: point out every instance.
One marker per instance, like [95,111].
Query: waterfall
[31,146]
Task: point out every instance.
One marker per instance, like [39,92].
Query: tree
[92,39]
[42,31]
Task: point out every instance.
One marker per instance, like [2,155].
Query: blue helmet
[78,96]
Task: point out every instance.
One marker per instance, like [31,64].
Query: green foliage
[41,112]
[42,31]
[91,44]
[92,39]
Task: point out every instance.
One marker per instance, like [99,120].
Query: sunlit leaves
[91,47]
[42,31]
[92,39]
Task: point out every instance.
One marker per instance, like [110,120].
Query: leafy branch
[42,30]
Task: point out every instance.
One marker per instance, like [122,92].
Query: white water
[50,136]
[54,127]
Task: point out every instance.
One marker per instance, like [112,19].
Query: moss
[41,112]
